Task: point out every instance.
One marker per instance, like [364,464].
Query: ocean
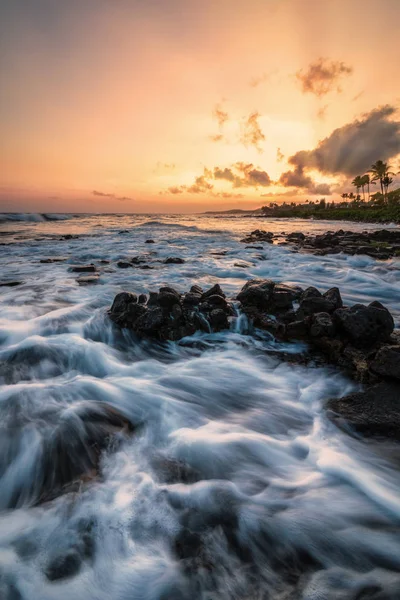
[279,503]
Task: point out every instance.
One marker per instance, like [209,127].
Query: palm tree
[387,181]
[366,179]
[357,182]
[379,171]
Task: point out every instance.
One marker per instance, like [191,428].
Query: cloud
[279,155]
[229,195]
[252,177]
[164,167]
[217,138]
[252,134]
[321,113]
[220,115]
[226,174]
[288,193]
[108,195]
[239,175]
[322,76]
[175,190]
[299,179]
[351,149]
[256,81]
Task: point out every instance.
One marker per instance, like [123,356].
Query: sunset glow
[179,105]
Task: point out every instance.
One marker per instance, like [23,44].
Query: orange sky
[134,100]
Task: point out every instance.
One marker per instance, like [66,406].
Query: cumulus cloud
[351,149]
[322,76]
[239,175]
[108,195]
[299,179]
[251,176]
[252,134]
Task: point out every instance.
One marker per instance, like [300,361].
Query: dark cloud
[226,174]
[351,149]
[252,134]
[175,189]
[251,176]
[114,196]
[321,77]
[301,180]
[296,178]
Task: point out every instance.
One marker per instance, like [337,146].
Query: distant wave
[179,226]
[35,217]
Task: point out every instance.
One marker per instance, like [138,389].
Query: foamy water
[278,503]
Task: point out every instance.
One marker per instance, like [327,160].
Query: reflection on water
[233,483]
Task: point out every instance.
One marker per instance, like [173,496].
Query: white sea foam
[235,484]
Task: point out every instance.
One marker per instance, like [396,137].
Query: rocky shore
[359,339]
[380,244]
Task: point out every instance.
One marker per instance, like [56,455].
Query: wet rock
[322,325]
[218,319]
[64,566]
[259,235]
[372,412]
[215,290]
[315,304]
[83,268]
[168,315]
[146,267]
[387,362]
[122,301]
[142,299]
[123,264]
[296,236]
[365,325]
[257,292]
[10,283]
[196,289]
[54,259]
[149,242]
[284,295]
[88,279]
[192,299]
[298,329]
[174,260]
[310,292]
[333,295]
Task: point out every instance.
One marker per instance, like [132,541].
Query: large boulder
[387,362]
[257,292]
[365,325]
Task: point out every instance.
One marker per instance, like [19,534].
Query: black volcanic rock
[168,315]
[365,325]
[372,412]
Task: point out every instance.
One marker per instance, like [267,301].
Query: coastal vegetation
[382,206]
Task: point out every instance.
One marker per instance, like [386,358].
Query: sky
[192,105]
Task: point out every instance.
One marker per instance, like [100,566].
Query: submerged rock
[372,412]
[83,268]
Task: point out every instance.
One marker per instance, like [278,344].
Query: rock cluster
[169,315]
[357,337]
[380,244]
